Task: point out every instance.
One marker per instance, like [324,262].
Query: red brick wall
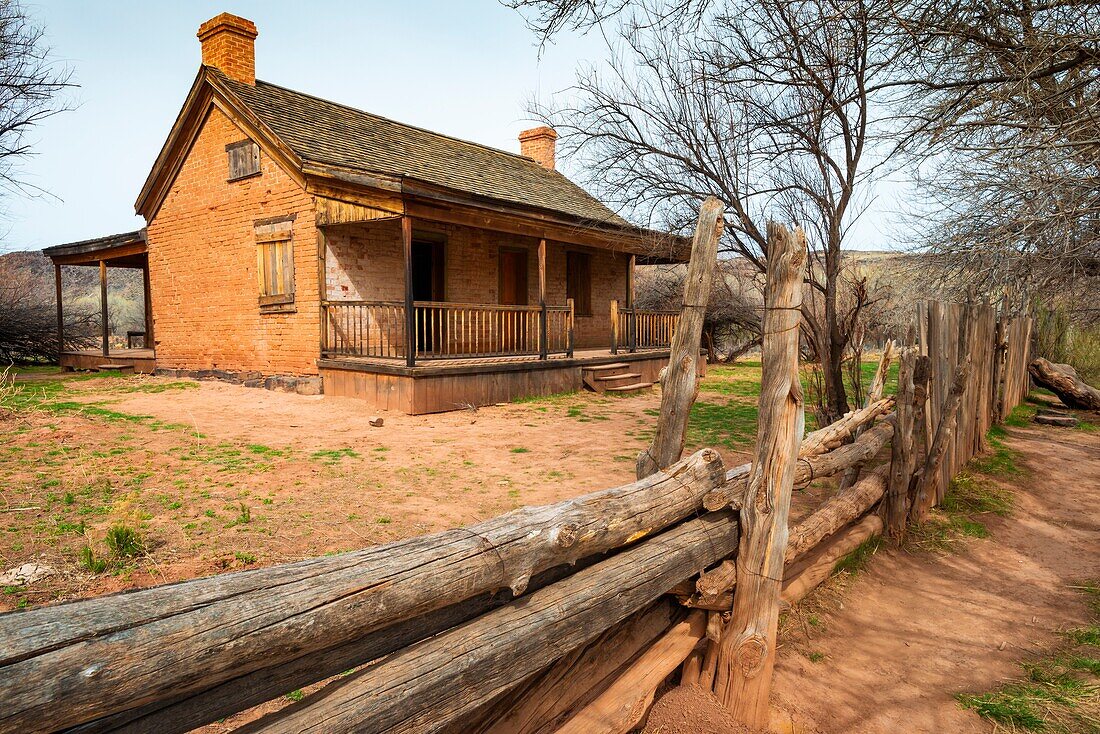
[366,263]
[202,260]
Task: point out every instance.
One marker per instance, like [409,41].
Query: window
[275,265]
[244,159]
[578,281]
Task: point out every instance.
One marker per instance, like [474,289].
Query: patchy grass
[860,558]
[333,456]
[732,424]
[1058,693]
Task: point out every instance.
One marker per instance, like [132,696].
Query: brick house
[294,240]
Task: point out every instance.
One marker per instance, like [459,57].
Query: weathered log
[713,587]
[878,384]
[836,512]
[190,711]
[429,686]
[623,706]
[838,432]
[821,566]
[102,657]
[1055,418]
[862,450]
[680,384]
[572,682]
[746,653]
[902,459]
[926,492]
[1063,381]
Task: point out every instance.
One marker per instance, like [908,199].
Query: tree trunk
[1063,381]
[878,384]
[680,384]
[746,654]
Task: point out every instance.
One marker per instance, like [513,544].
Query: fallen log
[862,450]
[681,382]
[102,656]
[622,707]
[1063,381]
[431,685]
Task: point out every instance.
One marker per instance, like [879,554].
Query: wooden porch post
[60,312]
[103,308]
[544,337]
[632,315]
[322,289]
[149,342]
[614,326]
[410,315]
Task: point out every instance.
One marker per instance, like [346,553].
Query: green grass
[732,424]
[520,450]
[125,542]
[333,456]
[1059,692]
[860,558]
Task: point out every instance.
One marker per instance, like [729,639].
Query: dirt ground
[219,477]
[916,628]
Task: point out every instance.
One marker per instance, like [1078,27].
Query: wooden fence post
[926,494]
[896,505]
[746,653]
[679,386]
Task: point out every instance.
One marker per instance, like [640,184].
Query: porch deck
[142,360]
[453,384]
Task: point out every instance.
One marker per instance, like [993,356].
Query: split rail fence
[562,618]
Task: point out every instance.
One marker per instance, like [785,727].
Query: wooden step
[606,367]
[625,375]
[636,387]
[116,367]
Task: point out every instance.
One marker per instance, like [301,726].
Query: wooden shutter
[244,159]
[275,265]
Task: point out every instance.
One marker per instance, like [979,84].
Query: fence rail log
[429,686]
[878,384]
[102,657]
[622,707]
[859,452]
[680,384]
[548,699]
[820,566]
[837,433]
[1063,381]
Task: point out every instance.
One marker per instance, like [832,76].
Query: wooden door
[513,292]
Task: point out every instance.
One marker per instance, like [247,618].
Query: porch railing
[633,328]
[444,330]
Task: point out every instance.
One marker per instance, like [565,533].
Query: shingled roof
[326,133]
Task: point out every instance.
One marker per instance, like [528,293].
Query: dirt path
[915,629]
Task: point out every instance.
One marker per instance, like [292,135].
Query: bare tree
[29,87]
[1004,95]
[777,107]
[28,318]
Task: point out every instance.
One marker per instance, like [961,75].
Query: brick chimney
[229,44]
[538,143]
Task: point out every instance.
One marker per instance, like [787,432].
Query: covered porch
[425,314]
[133,350]
[415,292]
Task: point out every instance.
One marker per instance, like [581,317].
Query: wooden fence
[563,618]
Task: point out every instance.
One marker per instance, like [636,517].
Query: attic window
[244,159]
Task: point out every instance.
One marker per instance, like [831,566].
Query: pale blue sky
[465,68]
